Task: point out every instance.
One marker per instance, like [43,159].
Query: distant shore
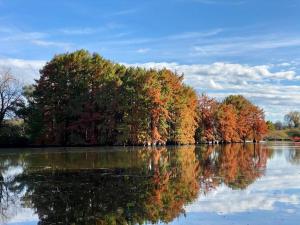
[284,134]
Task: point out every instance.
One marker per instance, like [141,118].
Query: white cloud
[227,73]
[214,85]
[143,50]
[285,64]
[263,84]
[25,70]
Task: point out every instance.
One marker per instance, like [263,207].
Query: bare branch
[10,93]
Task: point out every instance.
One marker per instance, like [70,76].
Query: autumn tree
[85,99]
[227,123]
[235,119]
[207,130]
[251,122]
[133,115]
[259,126]
[82,98]
[187,118]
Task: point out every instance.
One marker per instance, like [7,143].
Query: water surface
[232,184]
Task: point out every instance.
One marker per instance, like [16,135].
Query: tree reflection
[116,195]
[235,165]
[294,155]
[8,200]
[148,185]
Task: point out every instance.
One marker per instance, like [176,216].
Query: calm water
[233,184]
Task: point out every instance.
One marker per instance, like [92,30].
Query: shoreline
[143,146]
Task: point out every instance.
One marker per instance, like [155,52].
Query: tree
[293,119]
[244,126]
[227,123]
[31,113]
[251,119]
[85,99]
[238,101]
[10,95]
[271,126]
[207,129]
[82,98]
[186,121]
[278,125]
[258,125]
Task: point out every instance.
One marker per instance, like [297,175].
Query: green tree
[84,99]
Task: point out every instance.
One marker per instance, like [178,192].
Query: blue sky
[224,47]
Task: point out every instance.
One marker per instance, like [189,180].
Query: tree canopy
[235,119]
[84,99]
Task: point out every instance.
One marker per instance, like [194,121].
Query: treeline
[287,130]
[235,119]
[290,120]
[83,99]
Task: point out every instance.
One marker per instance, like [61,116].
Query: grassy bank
[286,134]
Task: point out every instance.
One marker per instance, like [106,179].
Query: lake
[232,184]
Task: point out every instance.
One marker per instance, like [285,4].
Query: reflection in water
[294,156]
[235,165]
[123,186]
[153,186]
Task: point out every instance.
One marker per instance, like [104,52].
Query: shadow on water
[123,187]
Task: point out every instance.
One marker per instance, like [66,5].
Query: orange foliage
[227,123]
[234,120]
[207,114]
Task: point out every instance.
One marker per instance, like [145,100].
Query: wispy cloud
[143,50]
[123,12]
[189,35]
[167,40]
[221,2]
[211,45]
[241,45]
[79,31]
[15,35]
[66,46]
